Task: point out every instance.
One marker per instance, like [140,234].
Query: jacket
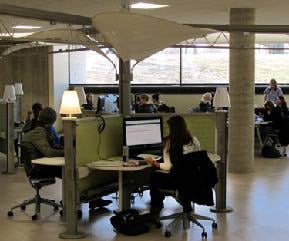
[39,143]
[195,177]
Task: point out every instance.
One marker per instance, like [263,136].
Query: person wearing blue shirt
[272,92]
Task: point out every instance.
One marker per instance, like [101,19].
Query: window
[160,68]
[205,66]
[89,67]
[179,66]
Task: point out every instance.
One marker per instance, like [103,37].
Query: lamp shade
[221,98]
[81,95]
[9,93]
[18,89]
[70,103]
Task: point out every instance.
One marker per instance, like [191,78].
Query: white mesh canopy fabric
[135,36]
[67,36]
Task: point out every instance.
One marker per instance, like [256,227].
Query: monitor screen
[142,134]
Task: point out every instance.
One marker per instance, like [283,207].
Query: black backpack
[269,148]
[128,222]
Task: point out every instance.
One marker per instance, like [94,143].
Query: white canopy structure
[135,36]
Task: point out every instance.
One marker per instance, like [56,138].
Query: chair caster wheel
[22,208]
[168,234]
[56,208]
[34,217]
[204,235]
[10,214]
[159,225]
[214,225]
[79,214]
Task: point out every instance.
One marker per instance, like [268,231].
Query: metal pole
[124,87]
[221,187]
[70,184]
[10,168]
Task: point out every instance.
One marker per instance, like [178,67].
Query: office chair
[37,183]
[195,177]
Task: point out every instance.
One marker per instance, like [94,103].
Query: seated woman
[39,143]
[178,142]
[206,102]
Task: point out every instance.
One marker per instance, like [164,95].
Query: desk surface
[118,167]
[50,161]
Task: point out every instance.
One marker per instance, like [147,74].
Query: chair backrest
[26,160]
[195,176]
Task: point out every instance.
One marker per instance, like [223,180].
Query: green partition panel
[87,141]
[111,137]
[202,126]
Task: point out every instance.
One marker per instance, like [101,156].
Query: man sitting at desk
[39,143]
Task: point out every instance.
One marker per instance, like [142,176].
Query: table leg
[120,191]
[259,136]
[63,194]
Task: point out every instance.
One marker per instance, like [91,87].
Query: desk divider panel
[93,146]
[200,125]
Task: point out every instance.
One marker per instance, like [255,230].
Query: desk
[122,202]
[55,161]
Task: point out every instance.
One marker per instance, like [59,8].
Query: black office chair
[195,177]
[37,183]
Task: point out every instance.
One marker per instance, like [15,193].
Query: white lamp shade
[221,98]
[18,89]
[70,103]
[9,93]
[81,95]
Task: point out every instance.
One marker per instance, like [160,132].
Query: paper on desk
[155,157]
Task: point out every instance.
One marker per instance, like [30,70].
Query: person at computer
[89,102]
[39,143]
[272,92]
[178,142]
[156,100]
[144,106]
[32,117]
[206,103]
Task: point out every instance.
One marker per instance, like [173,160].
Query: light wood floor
[260,201]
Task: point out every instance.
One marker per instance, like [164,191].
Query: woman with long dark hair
[177,143]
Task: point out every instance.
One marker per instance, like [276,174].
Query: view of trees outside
[199,66]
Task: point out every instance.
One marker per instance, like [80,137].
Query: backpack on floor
[271,147]
[128,222]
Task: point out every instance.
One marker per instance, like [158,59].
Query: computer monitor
[143,135]
[100,104]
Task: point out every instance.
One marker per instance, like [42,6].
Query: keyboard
[105,163]
[155,157]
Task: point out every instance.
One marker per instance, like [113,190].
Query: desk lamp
[19,93]
[9,93]
[70,104]
[221,98]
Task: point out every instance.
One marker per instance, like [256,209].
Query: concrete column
[124,87]
[242,76]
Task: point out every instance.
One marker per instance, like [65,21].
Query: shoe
[96,203]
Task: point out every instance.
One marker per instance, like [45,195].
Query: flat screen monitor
[143,135]
[100,104]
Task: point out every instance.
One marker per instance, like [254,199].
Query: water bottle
[125,151]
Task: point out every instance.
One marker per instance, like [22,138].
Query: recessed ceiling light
[141,5]
[25,27]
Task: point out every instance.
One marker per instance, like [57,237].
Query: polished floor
[260,201]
